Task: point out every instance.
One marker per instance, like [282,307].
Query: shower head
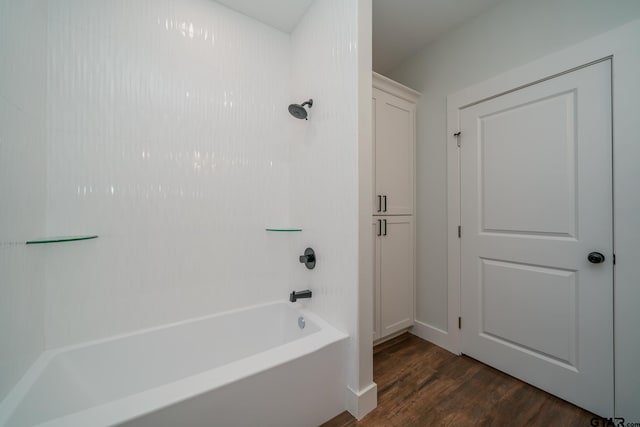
[298,111]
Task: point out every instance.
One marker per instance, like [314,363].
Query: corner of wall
[360,403]
[364,361]
[22,186]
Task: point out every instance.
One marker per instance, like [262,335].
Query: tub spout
[293,297]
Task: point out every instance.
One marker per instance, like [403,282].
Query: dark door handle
[595,258]
[379,227]
[379,203]
[385,227]
[385,203]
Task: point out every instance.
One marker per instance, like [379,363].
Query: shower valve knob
[309,258]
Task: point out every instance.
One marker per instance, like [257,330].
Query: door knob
[595,258]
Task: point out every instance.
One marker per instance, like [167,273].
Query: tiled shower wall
[168,136]
[23,32]
[324,170]
[161,126]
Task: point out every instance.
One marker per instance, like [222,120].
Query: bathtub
[248,367]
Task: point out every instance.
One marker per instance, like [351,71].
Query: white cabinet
[376,276]
[394,108]
[394,146]
[394,274]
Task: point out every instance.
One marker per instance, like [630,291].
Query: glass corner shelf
[60,239]
[283,229]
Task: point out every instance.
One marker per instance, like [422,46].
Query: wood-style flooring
[420,384]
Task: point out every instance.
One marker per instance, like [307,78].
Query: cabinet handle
[385,227]
[385,203]
[379,203]
[379,227]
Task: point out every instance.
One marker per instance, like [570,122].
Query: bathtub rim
[138,404]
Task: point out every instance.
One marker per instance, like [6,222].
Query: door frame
[619,45]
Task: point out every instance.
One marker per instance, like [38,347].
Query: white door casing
[536,199]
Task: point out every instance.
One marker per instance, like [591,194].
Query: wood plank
[421,384]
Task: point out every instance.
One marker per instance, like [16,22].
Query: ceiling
[400,27]
[280,14]
[403,27]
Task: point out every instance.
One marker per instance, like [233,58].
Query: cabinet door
[377,232]
[394,141]
[396,258]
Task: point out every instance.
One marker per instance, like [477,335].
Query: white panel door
[536,200]
[393,154]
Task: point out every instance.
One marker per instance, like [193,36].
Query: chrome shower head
[298,111]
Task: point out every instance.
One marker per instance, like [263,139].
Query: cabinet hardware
[459,322]
[379,227]
[459,231]
[385,203]
[379,203]
[385,227]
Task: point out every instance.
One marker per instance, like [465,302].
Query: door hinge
[459,231]
[457,136]
[459,322]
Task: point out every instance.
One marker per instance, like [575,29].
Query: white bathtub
[249,367]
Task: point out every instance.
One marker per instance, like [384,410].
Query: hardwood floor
[420,384]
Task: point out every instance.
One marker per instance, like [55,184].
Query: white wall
[23,32]
[169,137]
[324,165]
[514,33]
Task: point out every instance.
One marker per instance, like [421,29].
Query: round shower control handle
[595,258]
[309,258]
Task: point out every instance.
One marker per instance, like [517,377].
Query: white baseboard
[361,403]
[434,335]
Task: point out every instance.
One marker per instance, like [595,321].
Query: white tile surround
[168,136]
[22,185]
[164,130]
[324,174]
